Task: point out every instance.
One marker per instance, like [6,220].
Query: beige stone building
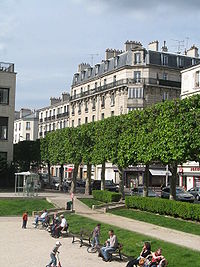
[7,109]
[126,80]
[55,116]
[25,125]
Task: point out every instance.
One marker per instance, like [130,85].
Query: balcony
[53,117]
[41,120]
[61,115]
[126,82]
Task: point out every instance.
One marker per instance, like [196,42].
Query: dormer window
[137,58]
[197,79]
[165,60]
[96,69]
[76,77]
[180,61]
[106,63]
[89,72]
[116,60]
[82,75]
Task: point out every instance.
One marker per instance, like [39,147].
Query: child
[157,257]
[95,235]
[53,255]
[25,219]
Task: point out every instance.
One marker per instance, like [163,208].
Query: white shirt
[44,214]
[63,222]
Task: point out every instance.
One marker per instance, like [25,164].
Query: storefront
[189,175]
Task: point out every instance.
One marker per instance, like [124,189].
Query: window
[15,126]
[50,111]
[3,156]
[82,75]
[137,76]
[88,87]
[104,82]
[102,116]
[81,90]
[60,124]
[112,99]
[58,111]
[79,108]
[116,60]
[28,136]
[79,122]
[112,113]
[46,114]
[74,93]
[64,109]
[28,125]
[89,72]
[4,96]
[164,60]
[93,118]
[86,106]
[72,123]
[114,79]
[20,126]
[41,115]
[103,101]
[76,78]
[93,103]
[49,127]
[3,128]
[197,79]
[180,62]
[96,69]
[73,109]
[95,85]
[54,112]
[165,76]
[86,119]
[137,58]
[135,92]
[165,96]
[106,65]
[54,127]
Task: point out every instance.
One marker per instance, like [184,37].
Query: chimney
[192,52]
[153,46]
[83,66]
[129,45]
[65,96]
[54,100]
[109,54]
[164,48]
[117,52]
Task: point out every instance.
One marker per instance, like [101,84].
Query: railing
[126,82]
[7,67]
[61,115]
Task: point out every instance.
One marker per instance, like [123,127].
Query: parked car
[80,183]
[181,194]
[55,182]
[195,191]
[109,185]
[138,191]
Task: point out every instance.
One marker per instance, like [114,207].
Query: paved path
[31,247]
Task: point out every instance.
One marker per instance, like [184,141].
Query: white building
[7,109]
[189,173]
[26,125]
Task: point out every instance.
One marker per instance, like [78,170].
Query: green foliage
[90,201]
[164,206]
[106,196]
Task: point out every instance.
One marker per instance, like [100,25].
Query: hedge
[179,209]
[106,196]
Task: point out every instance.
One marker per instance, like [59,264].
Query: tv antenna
[179,45]
[92,57]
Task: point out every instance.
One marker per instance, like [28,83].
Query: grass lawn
[90,201]
[132,242]
[18,206]
[161,220]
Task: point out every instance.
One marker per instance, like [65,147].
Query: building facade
[126,80]
[7,110]
[55,116]
[26,125]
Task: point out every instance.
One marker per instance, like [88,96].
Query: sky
[47,39]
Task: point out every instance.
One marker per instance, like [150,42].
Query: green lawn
[18,206]
[90,201]
[177,256]
[161,220]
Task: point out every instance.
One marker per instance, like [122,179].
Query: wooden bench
[117,252]
[83,236]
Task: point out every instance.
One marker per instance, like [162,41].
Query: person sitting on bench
[63,226]
[111,246]
[41,218]
[146,251]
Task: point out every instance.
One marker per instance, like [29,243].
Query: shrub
[179,209]
[106,196]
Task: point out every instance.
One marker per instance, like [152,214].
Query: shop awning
[158,172]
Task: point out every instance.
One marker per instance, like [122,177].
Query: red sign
[195,169]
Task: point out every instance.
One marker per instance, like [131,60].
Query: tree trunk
[61,177]
[103,175]
[146,181]
[173,182]
[121,181]
[73,184]
[88,180]
[49,172]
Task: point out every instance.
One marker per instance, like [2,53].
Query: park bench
[117,252]
[82,237]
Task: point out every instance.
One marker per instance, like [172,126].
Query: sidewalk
[169,235]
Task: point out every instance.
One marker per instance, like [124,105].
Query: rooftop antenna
[187,42]
[179,45]
[92,57]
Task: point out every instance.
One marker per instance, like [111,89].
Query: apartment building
[25,125]
[55,116]
[126,80]
[7,109]
[189,172]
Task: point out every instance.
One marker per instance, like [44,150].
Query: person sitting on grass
[41,218]
[146,251]
[111,246]
[95,235]
[157,259]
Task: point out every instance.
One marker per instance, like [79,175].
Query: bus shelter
[27,183]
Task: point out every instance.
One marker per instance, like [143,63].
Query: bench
[84,235]
[117,252]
